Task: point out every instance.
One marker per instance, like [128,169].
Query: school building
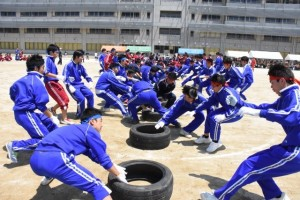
[162,25]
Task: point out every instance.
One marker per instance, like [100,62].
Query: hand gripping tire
[145,136]
[157,174]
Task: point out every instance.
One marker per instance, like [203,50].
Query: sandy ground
[193,169]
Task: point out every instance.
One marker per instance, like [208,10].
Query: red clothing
[58,93]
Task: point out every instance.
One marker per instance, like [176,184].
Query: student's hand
[122,178]
[220,118]
[238,90]
[72,89]
[122,173]
[249,111]
[55,120]
[61,77]
[159,125]
[231,100]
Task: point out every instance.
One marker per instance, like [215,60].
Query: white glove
[202,76]
[220,118]
[61,77]
[121,78]
[72,89]
[231,100]
[55,120]
[249,111]
[90,85]
[238,90]
[129,89]
[159,125]
[122,178]
[189,113]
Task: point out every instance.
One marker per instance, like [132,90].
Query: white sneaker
[12,155]
[213,146]
[185,134]
[207,196]
[283,197]
[46,180]
[202,140]
[66,121]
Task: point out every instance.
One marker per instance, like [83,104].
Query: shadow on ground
[216,182]
[61,192]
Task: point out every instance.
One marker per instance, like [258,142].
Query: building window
[246,1]
[241,18]
[8,14]
[130,0]
[130,15]
[68,30]
[100,31]
[100,14]
[212,1]
[130,31]
[273,38]
[193,16]
[169,31]
[66,14]
[9,30]
[33,14]
[240,36]
[273,1]
[280,21]
[211,17]
[170,14]
[9,45]
[291,1]
[148,32]
[193,1]
[36,30]
[192,34]
[148,15]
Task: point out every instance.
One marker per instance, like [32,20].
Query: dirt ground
[193,169]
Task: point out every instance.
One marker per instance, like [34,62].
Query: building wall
[202,24]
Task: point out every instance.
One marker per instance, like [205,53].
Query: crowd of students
[140,82]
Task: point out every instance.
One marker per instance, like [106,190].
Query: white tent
[292,57]
[265,55]
[236,54]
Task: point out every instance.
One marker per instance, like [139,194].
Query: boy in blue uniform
[233,76]
[227,97]
[55,156]
[279,160]
[108,86]
[73,72]
[143,93]
[248,76]
[189,101]
[28,94]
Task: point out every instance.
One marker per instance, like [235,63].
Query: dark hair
[89,112]
[52,48]
[218,78]
[279,70]
[78,53]
[172,75]
[210,60]
[113,65]
[190,91]
[245,58]
[130,71]
[154,69]
[34,61]
[227,60]
[103,50]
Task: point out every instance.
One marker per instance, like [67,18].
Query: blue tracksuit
[207,83]
[143,93]
[180,107]
[108,86]
[219,64]
[73,73]
[145,71]
[101,61]
[55,157]
[183,69]
[233,77]
[196,69]
[28,94]
[50,67]
[279,160]
[231,112]
[248,80]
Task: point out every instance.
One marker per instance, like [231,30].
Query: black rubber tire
[145,136]
[150,116]
[157,174]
